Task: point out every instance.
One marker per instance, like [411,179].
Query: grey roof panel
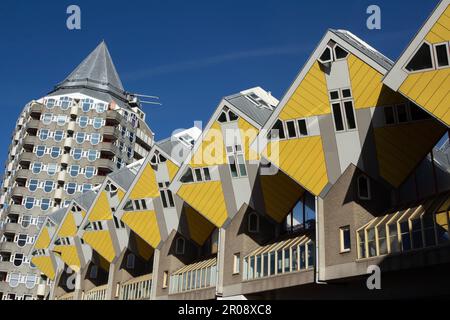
[174,148]
[96,71]
[257,114]
[360,45]
[123,177]
[58,215]
[86,199]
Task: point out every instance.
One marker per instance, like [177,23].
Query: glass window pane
[350,115]
[337,114]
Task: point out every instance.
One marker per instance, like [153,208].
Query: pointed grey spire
[96,72]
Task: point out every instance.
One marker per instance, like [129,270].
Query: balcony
[136,289]
[33,124]
[27,156]
[113,117]
[19,191]
[111,133]
[11,227]
[15,209]
[106,164]
[97,293]
[200,275]
[36,108]
[284,257]
[30,140]
[23,174]
[108,147]
[8,247]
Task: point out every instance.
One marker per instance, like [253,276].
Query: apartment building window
[47,118]
[166,195]
[50,104]
[14,280]
[92,155]
[131,258]
[344,234]
[100,107]
[236,263]
[80,137]
[49,186]
[95,138]
[422,59]
[363,183]
[40,151]
[58,135]
[441,51]
[77,154]
[83,121]
[343,110]
[236,161]
[52,168]
[65,103]
[253,222]
[277,131]
[29,203]
[97,123]
[45,204]
[405,236]
[33,185]
[86,105]
[93,272]
[18,259]
[74,170]
[180,246]
[89,172]
[25,221]
[22,240]
[71,188]
[61,120]
[30,281]
[55,152]
[43,134]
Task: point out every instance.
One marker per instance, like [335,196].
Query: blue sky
[189,53]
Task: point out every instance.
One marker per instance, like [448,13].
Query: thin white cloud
[215,60]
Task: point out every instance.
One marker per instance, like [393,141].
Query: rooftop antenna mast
[148,101]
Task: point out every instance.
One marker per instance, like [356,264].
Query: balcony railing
[67,297]
[98,293]
[138,288]
[195,276]
[292,255]
[420,226]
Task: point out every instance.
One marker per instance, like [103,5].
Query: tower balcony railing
[97,293]
[66,297]
[195,276]
[283,257]
[138,288]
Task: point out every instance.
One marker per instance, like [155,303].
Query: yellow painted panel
[280,194]
[397,156]
[310,98]
[172,168]
[212,149]
[120,194]
[144,224]
[68,227]
[101,242]
[248,135]
[367,86]
[208,199]
[102,209]
[43,241]
[146,186]
[199,228]
[303,160]
[45,265]
[430,91]
[69,255]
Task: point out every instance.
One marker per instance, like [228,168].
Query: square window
[334,95]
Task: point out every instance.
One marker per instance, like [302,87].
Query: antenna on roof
[134,99]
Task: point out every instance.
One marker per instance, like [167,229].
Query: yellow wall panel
[430,90]
[45,265]
[367,87]
[208,199]
[101,242]
[146,186]
[310,97]
[43,241]
[68,227]
[144,224]
[397,156]
[172,168]
[303,160]
[69,255]
[199,228]
[102,209]
[280,194]
[212,149]
[441,29]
